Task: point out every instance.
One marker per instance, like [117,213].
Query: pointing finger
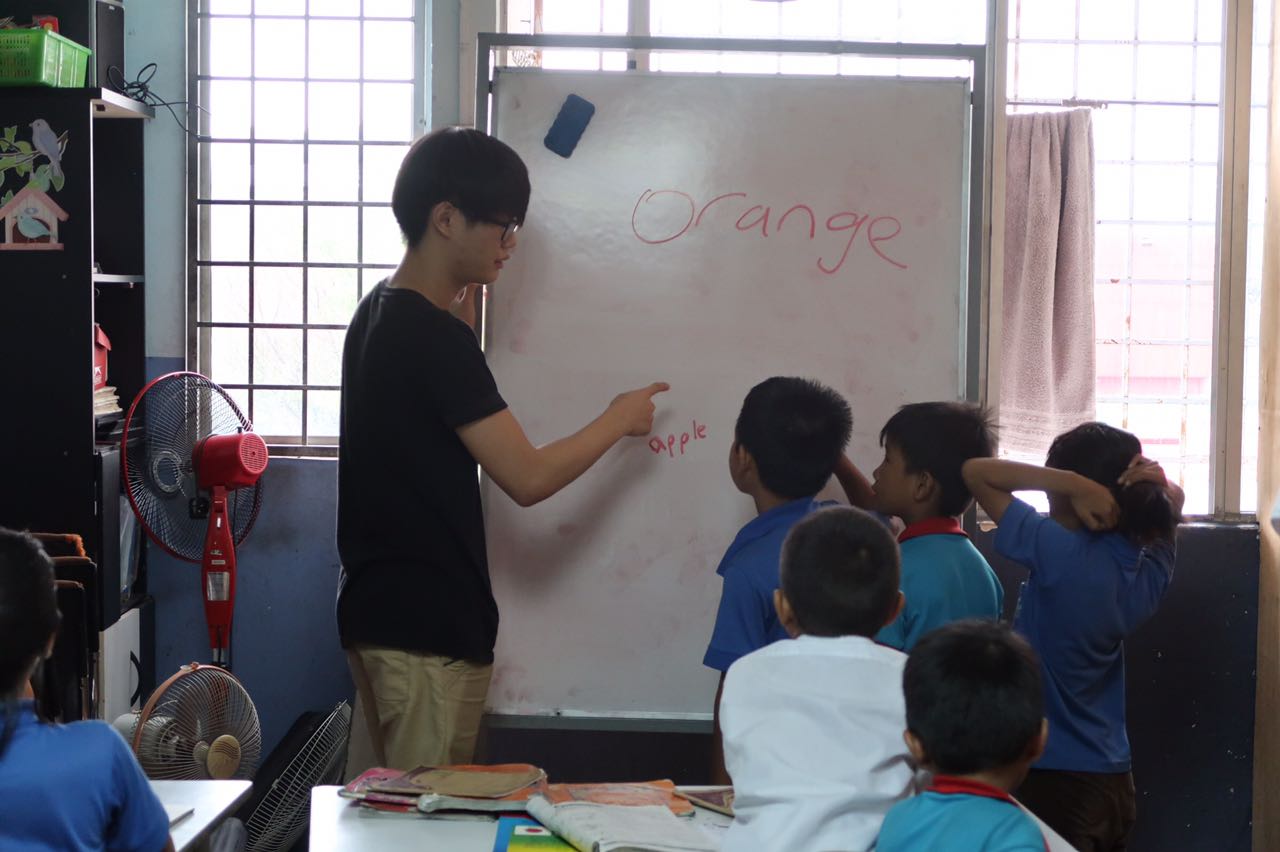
[657,387]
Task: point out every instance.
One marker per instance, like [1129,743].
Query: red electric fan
[191,468]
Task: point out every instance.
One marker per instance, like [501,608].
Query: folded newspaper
[591,827]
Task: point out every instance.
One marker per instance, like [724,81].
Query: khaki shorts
[417,709]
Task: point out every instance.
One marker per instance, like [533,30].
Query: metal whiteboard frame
[974,353]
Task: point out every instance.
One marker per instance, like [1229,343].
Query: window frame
[1227,347]
[1226,425]
[1226,401]
[197,158]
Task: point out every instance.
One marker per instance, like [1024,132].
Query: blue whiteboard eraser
[567,129]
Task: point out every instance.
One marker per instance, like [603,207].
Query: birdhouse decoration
[30,221]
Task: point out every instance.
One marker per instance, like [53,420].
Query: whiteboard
[708,231]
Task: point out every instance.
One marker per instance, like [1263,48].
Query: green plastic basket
[41,58]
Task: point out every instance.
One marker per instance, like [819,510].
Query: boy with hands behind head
[1099,565]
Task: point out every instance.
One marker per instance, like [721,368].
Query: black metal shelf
[106,103]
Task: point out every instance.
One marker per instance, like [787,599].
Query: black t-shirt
[414,572]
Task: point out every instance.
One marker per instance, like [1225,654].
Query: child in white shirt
[812,727]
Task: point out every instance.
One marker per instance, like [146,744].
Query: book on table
[592,827]
[391,790]
[470,781]
[718,799]
[521,834]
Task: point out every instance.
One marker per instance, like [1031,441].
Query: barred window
[310,106]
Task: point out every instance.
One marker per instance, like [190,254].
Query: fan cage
[279,820]
[185,716]
[164,424]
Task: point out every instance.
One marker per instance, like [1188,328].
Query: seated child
[975,718]
[944,577]
[813,726]
[62,787]
[1100,563]
[788,440]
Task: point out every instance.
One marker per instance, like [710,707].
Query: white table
[210,802]
[340,824]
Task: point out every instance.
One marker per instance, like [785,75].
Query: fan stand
[195,443]
[218,572]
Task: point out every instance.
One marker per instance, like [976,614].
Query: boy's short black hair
[938,438]
[840,572]
[796,430]
[974,696]
[480,175]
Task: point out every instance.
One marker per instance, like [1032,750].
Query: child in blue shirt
[1099,566]
[944,577]
[975,719]
[788,441]
[70,787]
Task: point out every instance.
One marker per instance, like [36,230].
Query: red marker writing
[674,443]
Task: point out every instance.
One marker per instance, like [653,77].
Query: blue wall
[284,637]
[285,641]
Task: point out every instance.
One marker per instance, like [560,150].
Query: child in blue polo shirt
[944,577]
[1099,566]
[62,787]
[788,441]
[975,719]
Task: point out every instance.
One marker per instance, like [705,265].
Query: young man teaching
[420,409]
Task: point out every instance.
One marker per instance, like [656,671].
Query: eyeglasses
[510,228]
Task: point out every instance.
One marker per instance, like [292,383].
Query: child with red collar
[975,718]
[944,577]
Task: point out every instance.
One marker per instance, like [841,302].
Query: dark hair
[1101,452]
[795,429]
[974,696]
[473,171]
[839,572]
[28,614]
[938,438]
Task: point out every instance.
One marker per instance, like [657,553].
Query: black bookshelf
[54,474]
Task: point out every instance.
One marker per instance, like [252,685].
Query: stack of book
[106,401]
[637,817]
[501,788]
[490,789]
[107,414]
